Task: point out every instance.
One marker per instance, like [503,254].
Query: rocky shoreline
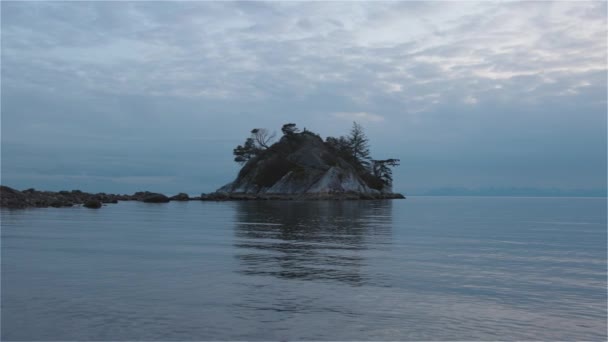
[222,196]
[11,198]
[31,198]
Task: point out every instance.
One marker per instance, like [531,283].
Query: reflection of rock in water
[309,240]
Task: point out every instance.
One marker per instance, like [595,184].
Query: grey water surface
[424,268]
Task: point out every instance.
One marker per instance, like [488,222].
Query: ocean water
[424,268]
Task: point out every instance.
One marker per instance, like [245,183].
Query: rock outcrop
[156,198]
[15,199]
[180,197]
[302,166]
[11,198]
[92,203]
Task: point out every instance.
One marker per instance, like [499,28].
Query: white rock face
[340,180]
[292,183]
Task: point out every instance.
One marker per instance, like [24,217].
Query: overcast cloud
[118,97]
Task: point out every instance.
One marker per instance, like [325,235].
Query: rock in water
[11,198]
[156,198]
[93,204]
[180,197]
[301,165]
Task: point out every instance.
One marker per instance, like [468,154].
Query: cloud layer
[108,95]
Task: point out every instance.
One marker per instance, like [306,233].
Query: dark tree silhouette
[258,141]
[242,153]
[359,145]
[382,169]
[289,128]
[340,145]
[262,137]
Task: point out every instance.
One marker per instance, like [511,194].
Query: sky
[124,96]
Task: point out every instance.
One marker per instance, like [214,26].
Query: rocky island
[299,166]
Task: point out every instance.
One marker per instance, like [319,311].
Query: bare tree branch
[262,137]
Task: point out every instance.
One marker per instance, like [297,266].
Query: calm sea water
[425,268]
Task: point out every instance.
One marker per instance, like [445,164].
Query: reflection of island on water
[316,240]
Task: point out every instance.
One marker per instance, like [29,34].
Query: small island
[300,165]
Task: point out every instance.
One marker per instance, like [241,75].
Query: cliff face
[302,164]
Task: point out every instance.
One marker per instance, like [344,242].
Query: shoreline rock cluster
[11,198]
[31,198]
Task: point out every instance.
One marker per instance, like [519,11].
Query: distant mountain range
[513,191]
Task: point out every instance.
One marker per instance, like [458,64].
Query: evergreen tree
[359,145]
[382,169]
[243,153]
[289,128]
[341,145]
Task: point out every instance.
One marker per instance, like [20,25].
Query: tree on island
[258,141]
[242,153]
[382,169]
[289,128]
[354,147]
[341,145]
[359,145]
[262,137]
